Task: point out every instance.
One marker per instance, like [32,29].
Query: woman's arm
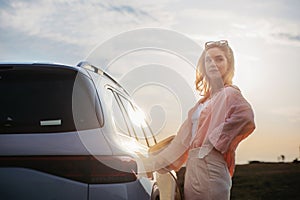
[239,121]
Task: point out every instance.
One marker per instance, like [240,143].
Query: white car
[71,132]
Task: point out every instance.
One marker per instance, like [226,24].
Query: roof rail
[86,65]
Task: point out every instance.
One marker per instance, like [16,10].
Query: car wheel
[155,193]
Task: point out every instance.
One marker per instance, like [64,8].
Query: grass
[264,181]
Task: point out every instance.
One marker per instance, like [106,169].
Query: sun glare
[137,116]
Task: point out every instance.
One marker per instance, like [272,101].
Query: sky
[264,35]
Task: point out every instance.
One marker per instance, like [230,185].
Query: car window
[149,134]
[131,115]
[119,117]
[40,100]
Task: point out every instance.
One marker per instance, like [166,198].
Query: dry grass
[266,181]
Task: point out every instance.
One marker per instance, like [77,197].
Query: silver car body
[60,164]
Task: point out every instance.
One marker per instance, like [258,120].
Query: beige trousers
[206,178]
[167,186]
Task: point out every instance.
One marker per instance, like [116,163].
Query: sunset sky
[264,35]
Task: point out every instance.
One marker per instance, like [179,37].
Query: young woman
[212,131]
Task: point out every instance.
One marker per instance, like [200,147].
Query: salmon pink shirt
[224,122]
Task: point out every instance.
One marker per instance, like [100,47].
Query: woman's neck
[216,86]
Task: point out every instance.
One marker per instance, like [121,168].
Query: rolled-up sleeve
[239,122]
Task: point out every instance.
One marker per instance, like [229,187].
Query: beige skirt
[206,178]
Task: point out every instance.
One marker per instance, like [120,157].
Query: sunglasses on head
[219,43]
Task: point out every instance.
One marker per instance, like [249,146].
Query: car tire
[155,193]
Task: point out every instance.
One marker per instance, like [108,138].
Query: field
[265,181]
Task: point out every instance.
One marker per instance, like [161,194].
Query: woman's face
[216,64]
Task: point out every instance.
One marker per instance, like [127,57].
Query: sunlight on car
[137,116]
[80,134]
[131,145]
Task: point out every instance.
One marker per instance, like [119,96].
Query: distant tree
[281,158]
[254,162]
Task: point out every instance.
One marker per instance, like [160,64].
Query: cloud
[288,36]
[279,25]
[84,24]
[271,30]
[77,22]
[77,26]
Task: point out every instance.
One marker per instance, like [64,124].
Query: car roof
[39,65]
[79,68]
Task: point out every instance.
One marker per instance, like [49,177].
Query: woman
[215,126]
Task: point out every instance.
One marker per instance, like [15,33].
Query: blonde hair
[202,81]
